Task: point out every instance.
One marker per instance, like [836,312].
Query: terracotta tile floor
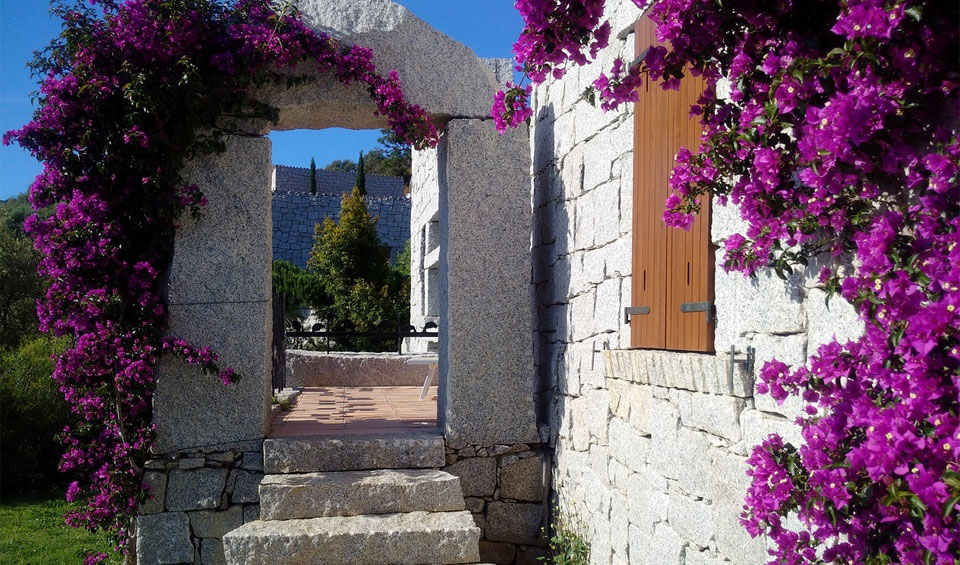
[341,410]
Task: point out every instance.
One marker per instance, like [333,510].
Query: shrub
[21,288]
[34,412]
[299,287]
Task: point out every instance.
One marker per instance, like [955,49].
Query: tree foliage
[299,287]
[354,270]
[393,158]
[20,287]
[361,183]
[33,414]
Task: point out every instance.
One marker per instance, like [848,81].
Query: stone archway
[209,438]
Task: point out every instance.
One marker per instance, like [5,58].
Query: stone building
[523,252]
[295,211]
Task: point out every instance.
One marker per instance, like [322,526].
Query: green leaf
[951,503]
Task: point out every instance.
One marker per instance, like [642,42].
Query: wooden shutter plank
[649,234]
[670,267]
[692,247]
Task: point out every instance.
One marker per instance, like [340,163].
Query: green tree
[361,176]
[14,211]
[393,158]
[341,166]
[20,287]
[299,287]
[354,270]
[313,176]
[34,412]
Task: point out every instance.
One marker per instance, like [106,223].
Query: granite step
[353,453]
[351,493]
[407,538]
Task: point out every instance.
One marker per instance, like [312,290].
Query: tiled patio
[339,410]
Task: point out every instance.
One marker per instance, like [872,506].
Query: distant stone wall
[297,179]
[649,446]
[295,214]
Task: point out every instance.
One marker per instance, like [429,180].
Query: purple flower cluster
[837,138]
[511,106]
[557,33]
[127,94]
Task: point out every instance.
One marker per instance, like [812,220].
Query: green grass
[32,532]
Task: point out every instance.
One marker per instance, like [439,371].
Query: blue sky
[489,27]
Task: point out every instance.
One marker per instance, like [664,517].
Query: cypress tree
[313,176]
[361,176]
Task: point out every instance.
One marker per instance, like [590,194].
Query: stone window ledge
[697,372]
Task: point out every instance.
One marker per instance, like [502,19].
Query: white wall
[650,447]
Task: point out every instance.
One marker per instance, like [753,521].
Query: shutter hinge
[706,306]
[634,311]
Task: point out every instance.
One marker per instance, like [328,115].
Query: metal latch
[706,306]
[634,311]
[746,363]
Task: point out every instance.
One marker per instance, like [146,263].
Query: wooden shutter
[672,268]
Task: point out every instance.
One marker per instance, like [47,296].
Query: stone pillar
[486,352]
[208,463]
[219,296]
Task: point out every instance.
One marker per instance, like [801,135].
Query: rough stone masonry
[296,212]
[649,446]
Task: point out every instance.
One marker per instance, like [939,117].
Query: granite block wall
[296,213]
[297,179]
[649,446]
[196,498]
[424,245]
[505,487]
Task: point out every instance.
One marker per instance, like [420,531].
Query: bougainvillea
[129,93]
[833,126]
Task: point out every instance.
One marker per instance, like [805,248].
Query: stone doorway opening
[346,383]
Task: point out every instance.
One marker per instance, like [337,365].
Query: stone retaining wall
[297,179]
[196,498]
[295,214]
[317,368]
[506,488]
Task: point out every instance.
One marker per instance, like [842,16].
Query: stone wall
[506,489]
[206,465]
[424,245]
[295,214]
[318,368]
[297,179]
[196,498]
[650,446]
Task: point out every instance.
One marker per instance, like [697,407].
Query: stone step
[409,538]
[351,493]
[353,453]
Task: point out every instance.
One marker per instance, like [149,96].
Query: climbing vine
[833,127]
[129,92]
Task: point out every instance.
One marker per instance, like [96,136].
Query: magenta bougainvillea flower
[129,92]
[837,139]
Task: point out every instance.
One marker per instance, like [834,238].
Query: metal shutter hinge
[706,306]
[634,311]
